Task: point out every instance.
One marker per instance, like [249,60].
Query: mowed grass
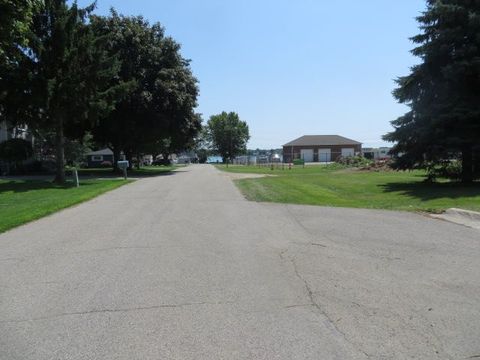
[336,186]
[22,201]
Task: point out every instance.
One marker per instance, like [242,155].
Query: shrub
[449,169]
[162,162]
[354,161]
[298,162]
[106,164]
[15,150]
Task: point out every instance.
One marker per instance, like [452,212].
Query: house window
[97,157]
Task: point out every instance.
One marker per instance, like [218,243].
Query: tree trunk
[476,162]
[59,152]
[165,157]
[138,161]
[128,157]
[467,164]
[116,157]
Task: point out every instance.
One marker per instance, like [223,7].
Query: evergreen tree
[443,91]
[15,22]
[63,80]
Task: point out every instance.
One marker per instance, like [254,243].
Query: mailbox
[123,164]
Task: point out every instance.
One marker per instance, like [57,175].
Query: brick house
[320,148]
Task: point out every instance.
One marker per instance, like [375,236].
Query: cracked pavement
[182,267]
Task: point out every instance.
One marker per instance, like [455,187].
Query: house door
[306,155]
[324,155]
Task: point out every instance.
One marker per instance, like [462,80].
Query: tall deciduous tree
[162,102]
[228,135]
[443,91]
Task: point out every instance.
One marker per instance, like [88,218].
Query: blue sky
[291,68]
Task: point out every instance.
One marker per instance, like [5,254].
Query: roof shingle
[322,140]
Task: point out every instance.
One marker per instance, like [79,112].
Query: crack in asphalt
[438,347]
[297,305]
[307,230]
[100,311]
[317,306]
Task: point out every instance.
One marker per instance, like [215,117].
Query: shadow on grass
[431,191]
[18,186]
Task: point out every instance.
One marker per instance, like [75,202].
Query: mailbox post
[123,164]
[75,177]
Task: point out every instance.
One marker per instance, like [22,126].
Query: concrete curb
[473,215]
[460,216]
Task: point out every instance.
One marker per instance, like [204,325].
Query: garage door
[324,155]
[307,155]
[348,152]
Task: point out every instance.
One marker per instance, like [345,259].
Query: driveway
[182,267]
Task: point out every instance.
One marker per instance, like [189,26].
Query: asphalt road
[182,267]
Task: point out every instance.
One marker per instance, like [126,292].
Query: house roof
[309,140]
[105,151]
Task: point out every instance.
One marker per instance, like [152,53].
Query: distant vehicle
[183,160]
[276,158]
[147,160]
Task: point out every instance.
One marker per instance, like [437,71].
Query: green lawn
[335,186]
[22,201]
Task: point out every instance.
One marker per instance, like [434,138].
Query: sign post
[75,177]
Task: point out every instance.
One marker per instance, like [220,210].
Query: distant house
[377,153]
[96,158]
[245,160]
[7,132]
[320,148]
